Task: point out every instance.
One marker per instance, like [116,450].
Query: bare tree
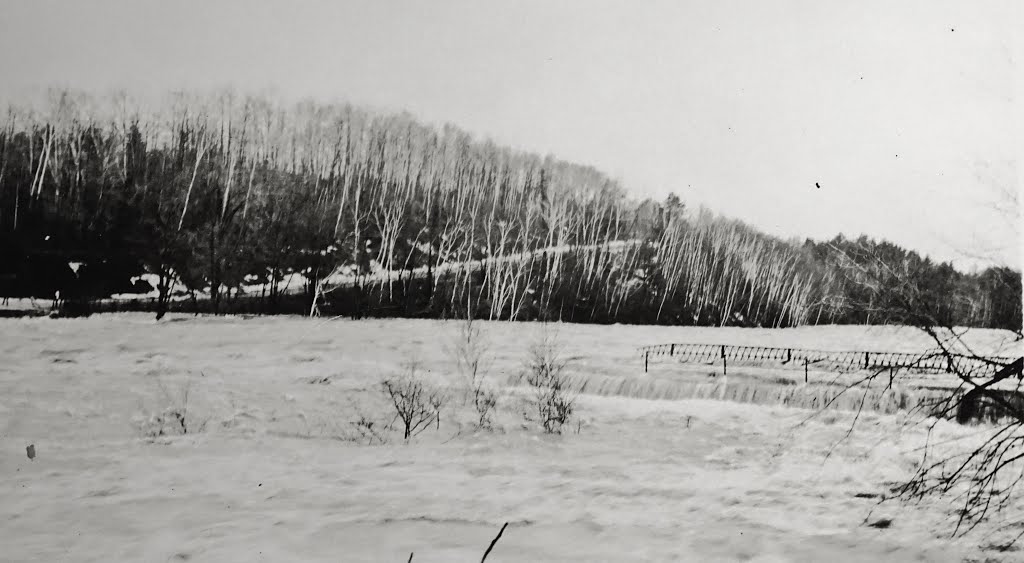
[981,478]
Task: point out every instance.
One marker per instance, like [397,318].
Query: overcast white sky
[904,112]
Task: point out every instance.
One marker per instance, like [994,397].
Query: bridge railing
[934,362]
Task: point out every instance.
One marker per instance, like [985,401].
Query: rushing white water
[879,399]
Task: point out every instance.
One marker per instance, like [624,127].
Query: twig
[494,541]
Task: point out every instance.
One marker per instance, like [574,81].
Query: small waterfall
[785,393]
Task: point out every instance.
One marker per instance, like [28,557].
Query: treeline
[879,282]
[229,197]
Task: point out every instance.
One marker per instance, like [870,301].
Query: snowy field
[274,468]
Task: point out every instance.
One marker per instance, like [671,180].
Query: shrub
[369,430]
[472,360]
[546,375]
[174,418]
[416,404]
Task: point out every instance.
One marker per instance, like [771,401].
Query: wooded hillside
[220,192]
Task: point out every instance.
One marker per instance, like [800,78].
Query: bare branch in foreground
[494,541]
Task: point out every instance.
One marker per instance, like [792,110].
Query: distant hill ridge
[224,191]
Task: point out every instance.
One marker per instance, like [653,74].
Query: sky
[905,113]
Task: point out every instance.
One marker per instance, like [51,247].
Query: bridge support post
[646,355]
